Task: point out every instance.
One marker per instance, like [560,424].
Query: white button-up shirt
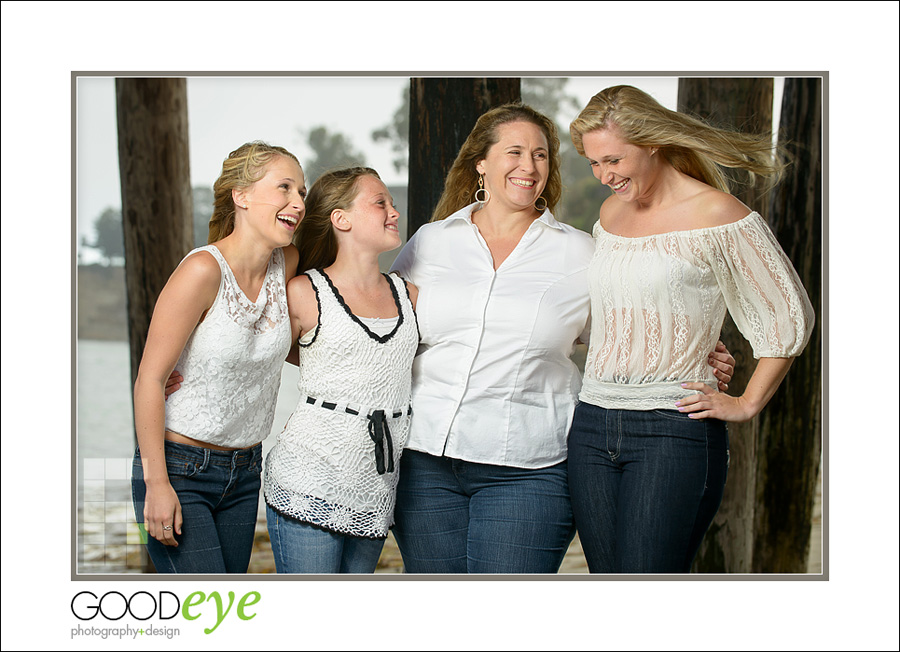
[493,381]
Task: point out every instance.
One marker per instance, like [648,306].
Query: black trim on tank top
[318,318]
[381,339]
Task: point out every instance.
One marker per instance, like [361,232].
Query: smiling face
[275,203]
[517,166]
[372,217]
[629,170]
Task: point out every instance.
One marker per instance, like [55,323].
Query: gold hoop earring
[540,209]
[486,197]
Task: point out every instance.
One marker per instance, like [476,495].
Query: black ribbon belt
[379,432]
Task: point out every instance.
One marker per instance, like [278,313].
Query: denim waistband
[240,457]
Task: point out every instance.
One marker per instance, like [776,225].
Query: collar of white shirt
[466,214]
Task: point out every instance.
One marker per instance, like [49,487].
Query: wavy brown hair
[462,180]
[691,146]
[315,237]
[244,166]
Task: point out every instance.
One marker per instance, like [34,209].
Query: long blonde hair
[462,180]
[315,237]
[244,166]
[690,145]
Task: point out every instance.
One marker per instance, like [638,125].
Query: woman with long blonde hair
[222,318]
[648,448]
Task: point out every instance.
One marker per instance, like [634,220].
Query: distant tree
[548,95]
[582,193]
[203,208]
[329,150]
[397,133]
[110,239]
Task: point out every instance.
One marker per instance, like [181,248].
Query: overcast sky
[224,112]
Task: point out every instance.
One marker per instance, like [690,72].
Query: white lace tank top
[232,362]
[335,464]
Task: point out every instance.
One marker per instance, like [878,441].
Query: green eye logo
[142,606]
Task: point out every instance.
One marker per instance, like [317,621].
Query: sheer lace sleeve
[761,288]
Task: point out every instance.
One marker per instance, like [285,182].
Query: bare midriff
[181,439]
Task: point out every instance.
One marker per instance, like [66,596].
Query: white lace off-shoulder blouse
[658,303]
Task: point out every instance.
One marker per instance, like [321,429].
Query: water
[105,417]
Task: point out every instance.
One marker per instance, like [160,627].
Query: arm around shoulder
[405,263]
[413,293]
[303,303]
[291,260]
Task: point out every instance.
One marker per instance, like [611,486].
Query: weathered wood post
[154,173]
[156,193]
[790,430]
[744,103]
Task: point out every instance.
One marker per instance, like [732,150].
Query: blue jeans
[461,517]
[645,486]
[301,548]
[219,496]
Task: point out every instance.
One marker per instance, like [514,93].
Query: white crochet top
[658,303]
[232,362]
[326,468]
